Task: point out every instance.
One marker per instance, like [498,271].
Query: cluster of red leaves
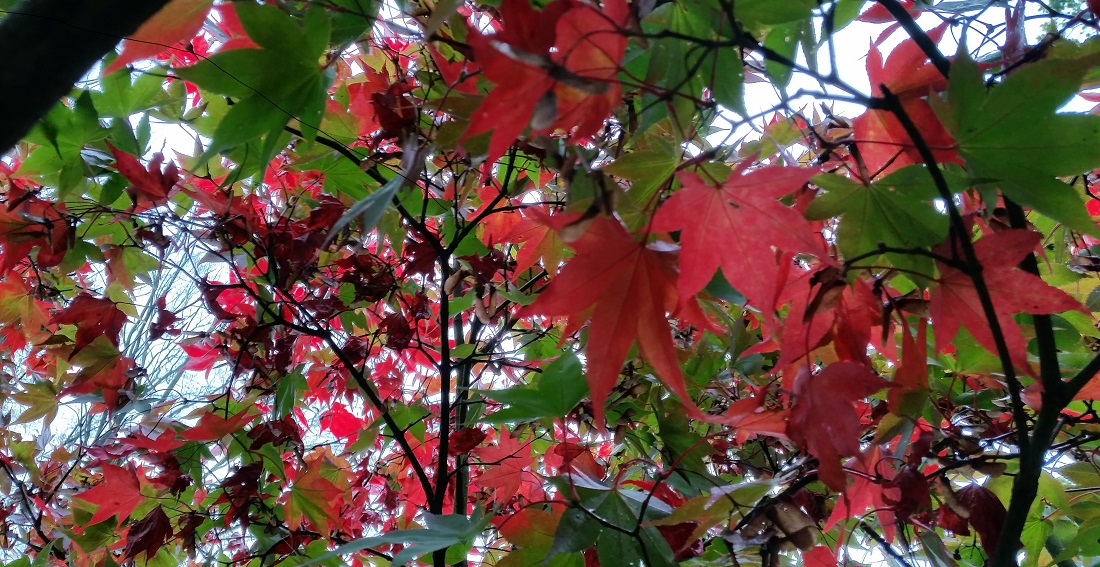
[554,69]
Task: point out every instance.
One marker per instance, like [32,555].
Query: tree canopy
[570,283]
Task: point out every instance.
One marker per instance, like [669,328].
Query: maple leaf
[464,440]
[627,289]
[825,309]
[177,21]
[734,226]
[955,302]
[340,422]
[212,425]
[18,304]
[823,420]
[986,514]
[148,535]
[151,186]
[93,317]
[867,492]
[314,495]
[537,234]
[749,418]
[531,530]
[164,322]
[27,222]
[910,383]
[553,69]
[884,144]
[164,443]
[507,464]
[819,556]
[116,495]
[110,379]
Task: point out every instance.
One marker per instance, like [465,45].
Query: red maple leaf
[151,187]
[164,443]
[537,234]
[867,492]
[627,289]
[819,556]
[116,495]
[27,222]
[464,440]
[911,376]
[341,422]
[93,317]
[986,513]
[110,379]
[884,144]
[734,226]
[955,302]
[213,425]
[177,21]
[164,322]
[877,14]
[823,420]
[506,465]
[553,69]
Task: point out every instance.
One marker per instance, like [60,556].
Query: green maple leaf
[1014,133]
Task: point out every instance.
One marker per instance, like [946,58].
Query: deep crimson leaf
[164,322]
[987,513]
[117,494]
[148,535]
[93,317]
[398,331]
[912,493]
[823,420]
[465,440]
[950,519]
[151,187]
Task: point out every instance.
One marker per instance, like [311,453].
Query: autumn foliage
[566,283]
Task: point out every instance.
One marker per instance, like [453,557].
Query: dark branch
[48,45]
